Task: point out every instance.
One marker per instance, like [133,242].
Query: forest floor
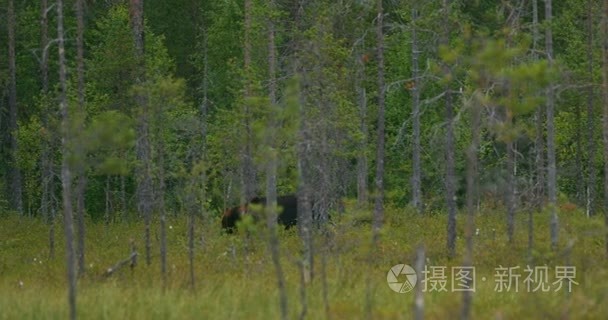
[235,277]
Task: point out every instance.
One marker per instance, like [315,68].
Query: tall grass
[235,278]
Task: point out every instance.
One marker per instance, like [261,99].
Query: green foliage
[325,59]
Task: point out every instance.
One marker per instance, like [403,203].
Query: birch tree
[66,173]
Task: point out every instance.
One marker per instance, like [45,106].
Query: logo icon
[401,278]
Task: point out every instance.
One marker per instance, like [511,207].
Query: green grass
[237,281]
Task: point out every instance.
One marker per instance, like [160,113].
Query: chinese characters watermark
[403,278]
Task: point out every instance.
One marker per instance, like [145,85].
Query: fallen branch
[131,260]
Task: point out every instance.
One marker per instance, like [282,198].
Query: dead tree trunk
[14,171]
[513,21]
[80,167]
[248,174]
[144,172]
[471,154]
[591,170]
[417,174]
[303,147]
[551,165]
[161,195]
[47,141]
[362,166]
[271,170]
[419,293]
[450,176]
[66,174]
[604,34]
[539,144]
[379,202]
[511,205]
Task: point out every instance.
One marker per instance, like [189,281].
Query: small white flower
[20,284]
[477,231]
[170,227]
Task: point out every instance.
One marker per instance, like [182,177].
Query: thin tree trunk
[163,237]
[203,177]
[604,39]
[539,145]
[471,201]
[204,109]
[513,21]
[590,120]
[271,170]
[52,234]
[14,171]
[450,176]
[161,198]
[362,166]
[417,174]
[304,202]
[248,174]
[144,183]
[303,149]
[45,159]
[578,158]
[44,72]
[551,165]
[419,293]
[81,184]
[379,202]
[511,205]
[107,210]
[323,271]
[66,175]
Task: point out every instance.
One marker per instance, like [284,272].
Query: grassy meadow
[235,278]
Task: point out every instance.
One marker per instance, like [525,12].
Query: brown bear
[287,212]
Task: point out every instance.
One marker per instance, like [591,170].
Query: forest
[303,159]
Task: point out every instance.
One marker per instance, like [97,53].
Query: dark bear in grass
[287,212]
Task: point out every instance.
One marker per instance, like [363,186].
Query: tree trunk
[45,159]
[604,40]
[513,21]
[362,166]
[303,148]
[107,202]
[271,170]
[123,194]
[81,171]
[14,171]
[450,176]
[379,201]
[417,174]
[590,119]
[144,183]
[511,205]
[551,165]
[578,159]
[539,144]
[66,175]
[161,196]
[247,175]
[472,196]
[304,192]
[418,290]
[44,72]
